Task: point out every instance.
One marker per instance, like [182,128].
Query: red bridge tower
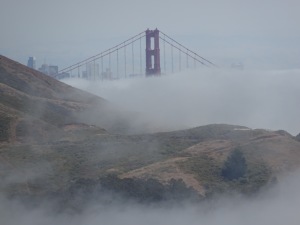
[152,55]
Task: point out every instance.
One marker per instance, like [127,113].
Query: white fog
[257,99]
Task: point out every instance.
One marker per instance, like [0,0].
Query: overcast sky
[258,33]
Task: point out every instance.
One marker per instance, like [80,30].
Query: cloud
[258,99]
[275,206]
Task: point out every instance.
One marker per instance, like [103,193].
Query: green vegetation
[207,171]
[5,127]
[148,191]
[235,165]
[49,147]
[234,174]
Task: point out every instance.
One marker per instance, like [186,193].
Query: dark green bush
[235,166]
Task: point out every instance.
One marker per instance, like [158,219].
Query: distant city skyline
[90,70]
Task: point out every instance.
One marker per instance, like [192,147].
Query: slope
[53,143]
[33,102]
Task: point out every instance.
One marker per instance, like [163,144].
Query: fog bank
[257,99]
[276,206]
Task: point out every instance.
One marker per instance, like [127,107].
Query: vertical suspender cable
[179,60]
[102,67]
[141,66]
[78,71]
[109,63]
[172,59]
[164,55]
[187,58]
[117,63]
[86,71]
[94,69]
[132,49]
[125,59]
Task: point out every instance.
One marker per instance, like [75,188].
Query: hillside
[57,141]
[31,102]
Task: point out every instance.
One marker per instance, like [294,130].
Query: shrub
[235,165]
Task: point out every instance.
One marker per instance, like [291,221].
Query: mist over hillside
[276,206]
[70,157]
[203,147]
[257,99]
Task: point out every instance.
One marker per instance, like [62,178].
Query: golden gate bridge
[163,55]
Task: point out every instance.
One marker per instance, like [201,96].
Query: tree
[235,165]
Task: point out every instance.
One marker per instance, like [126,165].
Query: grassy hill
[58,141]
[31,101]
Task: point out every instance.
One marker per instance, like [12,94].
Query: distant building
[92,70]
[53,70]
[49,70]
[44,69]
[31,62]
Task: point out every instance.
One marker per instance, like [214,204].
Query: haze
[261,34]
[276,206]
[257,99]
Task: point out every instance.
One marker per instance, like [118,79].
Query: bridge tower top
[152,54]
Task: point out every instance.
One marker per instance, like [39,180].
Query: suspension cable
[167,39]
[188,54]
[188,49]
[104,53]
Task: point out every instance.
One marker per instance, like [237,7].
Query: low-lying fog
[257,99]
[276,206]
